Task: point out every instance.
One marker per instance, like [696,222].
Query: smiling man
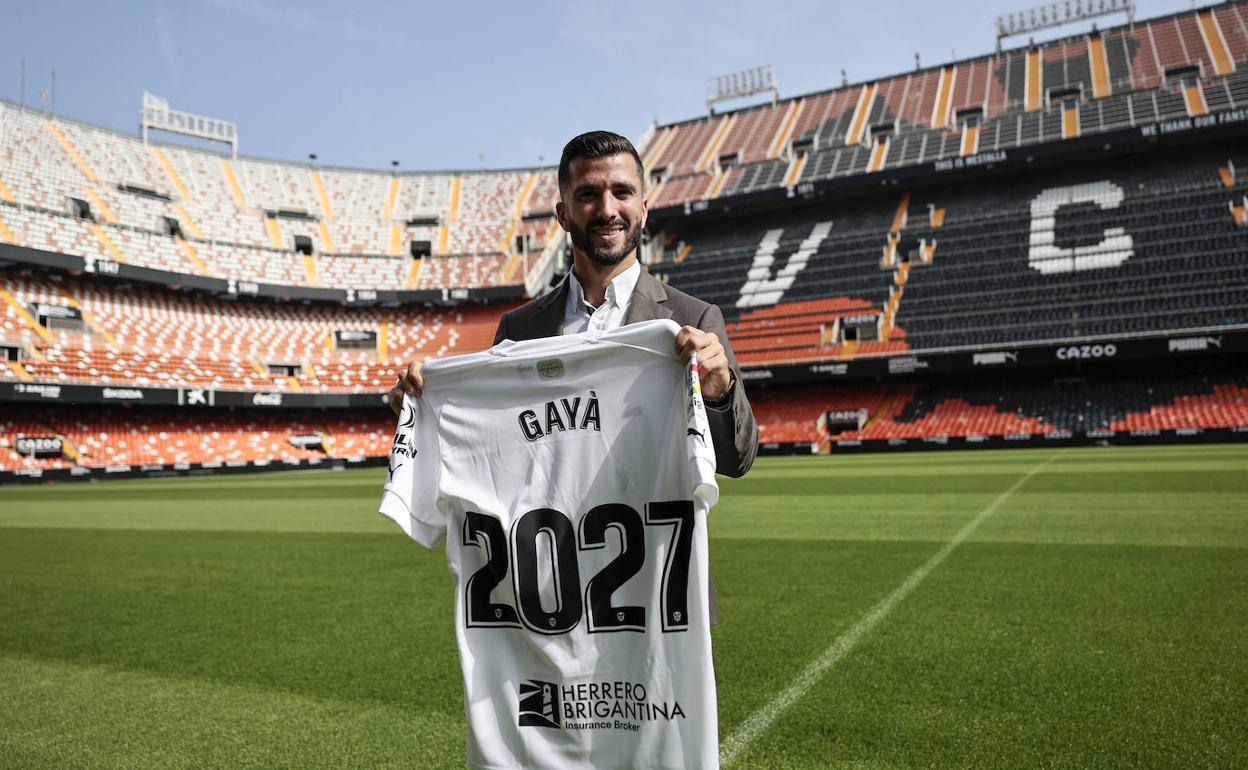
[603,208]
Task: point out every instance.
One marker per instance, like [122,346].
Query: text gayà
[572,413]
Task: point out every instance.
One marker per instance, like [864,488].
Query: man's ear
[561,213]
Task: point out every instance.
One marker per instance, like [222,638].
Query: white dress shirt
[579,315]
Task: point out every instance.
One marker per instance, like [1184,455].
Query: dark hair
[592,145]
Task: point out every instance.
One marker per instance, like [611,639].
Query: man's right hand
[410,383]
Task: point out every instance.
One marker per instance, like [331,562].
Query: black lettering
[570,410]
[591,413]
[400,446]
[562,538]
[553,418]
[675,599]
[561,542]
[603,614]
[528,424]
[486,532]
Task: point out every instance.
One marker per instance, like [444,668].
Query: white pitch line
[761,720]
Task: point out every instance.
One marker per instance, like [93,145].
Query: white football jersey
[570,478]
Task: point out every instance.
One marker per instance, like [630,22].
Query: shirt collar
[619,291]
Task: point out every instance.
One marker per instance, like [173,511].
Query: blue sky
[462,85]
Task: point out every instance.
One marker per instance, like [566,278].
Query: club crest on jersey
[550,369]
[575,413]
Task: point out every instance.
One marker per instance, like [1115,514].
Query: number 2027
[521,549]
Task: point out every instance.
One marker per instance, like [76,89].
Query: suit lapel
[548,320]
[649,300]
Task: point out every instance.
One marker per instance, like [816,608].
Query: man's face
[603,208]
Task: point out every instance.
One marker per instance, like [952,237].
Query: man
[602,207]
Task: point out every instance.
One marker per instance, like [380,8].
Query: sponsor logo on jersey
[693,404]
[592,706]
[575,413]
[539,704]
[550,369]
[401,446]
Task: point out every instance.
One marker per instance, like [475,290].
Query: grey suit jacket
[734,433]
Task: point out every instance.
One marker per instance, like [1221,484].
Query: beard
[606,256]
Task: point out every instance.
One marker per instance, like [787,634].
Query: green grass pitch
[1097,616]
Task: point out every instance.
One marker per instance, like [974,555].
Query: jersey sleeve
[410,496]
[698,438]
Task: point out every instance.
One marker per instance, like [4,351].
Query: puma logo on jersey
[565,414]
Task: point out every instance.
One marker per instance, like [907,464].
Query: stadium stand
[1103,248]
[238,216]
[1173,67]
[797,330]
[113,435]
[874,222]
[1078,404]
[1214,398]
[117,435]
[356,204]
[73,188]
[158,338]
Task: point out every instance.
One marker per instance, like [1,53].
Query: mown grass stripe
[762,719]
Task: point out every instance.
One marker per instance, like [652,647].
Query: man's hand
[410,383]
[713,372]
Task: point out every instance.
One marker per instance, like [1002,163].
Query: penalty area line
[761,720]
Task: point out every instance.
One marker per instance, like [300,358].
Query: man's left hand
[713,373]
